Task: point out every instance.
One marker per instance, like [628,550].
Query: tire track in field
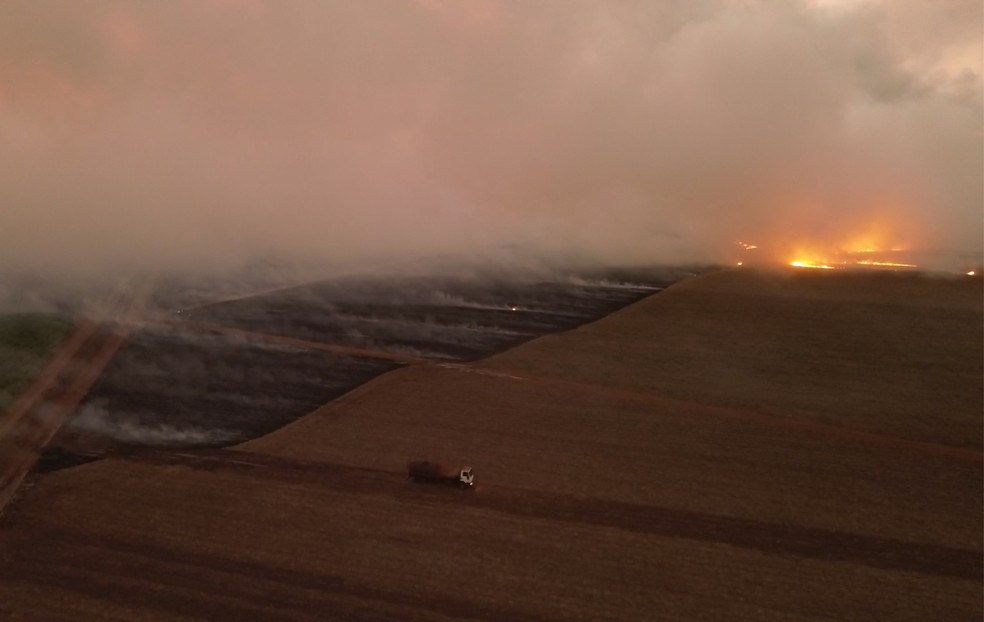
[143,575]
[771,538]
[256,336]
[85,327]
[50,406]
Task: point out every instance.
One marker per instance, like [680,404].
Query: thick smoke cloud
[180,135]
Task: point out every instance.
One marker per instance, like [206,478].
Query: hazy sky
[199,133]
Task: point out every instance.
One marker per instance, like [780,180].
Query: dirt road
[37,415]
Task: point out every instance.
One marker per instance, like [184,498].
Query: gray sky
[189,134]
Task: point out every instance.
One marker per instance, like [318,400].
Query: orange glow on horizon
[869,236]
[875,243]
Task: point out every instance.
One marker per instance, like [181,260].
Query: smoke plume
[209,133]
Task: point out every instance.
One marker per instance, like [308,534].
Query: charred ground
[216,374]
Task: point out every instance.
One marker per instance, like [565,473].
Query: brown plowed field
[813,453]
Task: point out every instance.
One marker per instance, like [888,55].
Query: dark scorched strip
[214,383]
[434,318]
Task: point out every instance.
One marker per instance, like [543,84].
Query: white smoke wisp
[211,134]
[96,420]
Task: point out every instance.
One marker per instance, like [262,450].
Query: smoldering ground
[458,318]
[181,381]
[169,386]
[204,135]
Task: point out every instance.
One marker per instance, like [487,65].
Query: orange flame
[871,246]
[806,263]
[876,241]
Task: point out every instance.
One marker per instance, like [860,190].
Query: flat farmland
[644,450]
[743,446]
[287,540]
[899,353]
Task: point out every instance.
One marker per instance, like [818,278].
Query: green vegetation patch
[27,340]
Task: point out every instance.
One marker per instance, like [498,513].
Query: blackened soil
[175,386]
[169,387]
[449,319]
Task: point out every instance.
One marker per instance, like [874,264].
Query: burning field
[299,245]
[871,252]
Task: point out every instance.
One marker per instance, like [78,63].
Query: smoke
[210,134]
[122,428]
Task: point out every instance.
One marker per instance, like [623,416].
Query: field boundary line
[85,327]
[297,342]
[82,380]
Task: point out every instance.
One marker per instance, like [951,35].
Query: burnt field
[228,371]
[435,318]
[175,387]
